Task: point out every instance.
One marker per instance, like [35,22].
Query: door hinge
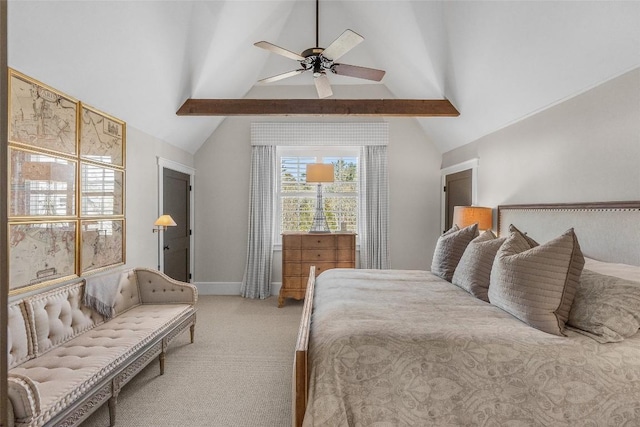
[444,189]
[189,275]
[190,232]
[190,188]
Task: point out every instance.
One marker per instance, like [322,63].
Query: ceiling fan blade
[323,86]
[359,72]
[343,44]
[282,76]
[279,50]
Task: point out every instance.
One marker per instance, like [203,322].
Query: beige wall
[222,197]
[582,150]
[142,194]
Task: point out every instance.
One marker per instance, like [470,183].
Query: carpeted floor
[237,373]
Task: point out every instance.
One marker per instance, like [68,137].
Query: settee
[66,359]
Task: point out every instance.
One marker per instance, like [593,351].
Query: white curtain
[256,282]
[374,208]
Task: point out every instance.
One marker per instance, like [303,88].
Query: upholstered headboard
[607,231]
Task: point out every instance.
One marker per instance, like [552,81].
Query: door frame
[469,164]
[179,167]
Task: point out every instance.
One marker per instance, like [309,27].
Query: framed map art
[102,244]
[66,170]
[101,137]
[41,185]
[40,116]
[41,252]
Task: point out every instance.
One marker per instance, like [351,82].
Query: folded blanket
[100,293]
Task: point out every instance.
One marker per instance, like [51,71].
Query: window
[296,200]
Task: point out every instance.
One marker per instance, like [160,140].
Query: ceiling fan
[322,61]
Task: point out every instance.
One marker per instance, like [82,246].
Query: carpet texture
[237,373]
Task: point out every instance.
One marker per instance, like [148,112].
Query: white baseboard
[228,288]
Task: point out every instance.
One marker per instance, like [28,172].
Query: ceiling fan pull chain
[317,26]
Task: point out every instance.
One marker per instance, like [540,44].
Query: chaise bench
[66,360]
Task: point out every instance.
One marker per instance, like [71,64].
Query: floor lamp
[319,173]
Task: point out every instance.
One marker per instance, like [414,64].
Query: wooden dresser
[302,250]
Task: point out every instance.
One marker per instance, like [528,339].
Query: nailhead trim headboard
[607,231]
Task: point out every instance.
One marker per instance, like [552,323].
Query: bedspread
[405,348]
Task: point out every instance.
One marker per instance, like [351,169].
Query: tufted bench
[65,360]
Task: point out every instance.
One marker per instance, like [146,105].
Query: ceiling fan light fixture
[322,60]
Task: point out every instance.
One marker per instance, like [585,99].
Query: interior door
[458,192]
[176,202]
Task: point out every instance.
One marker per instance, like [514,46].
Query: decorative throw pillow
[449,250]
[532,243]
[537,285]
[605,308]
[474,269]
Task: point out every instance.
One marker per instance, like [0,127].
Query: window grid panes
[297,199]
[98,190]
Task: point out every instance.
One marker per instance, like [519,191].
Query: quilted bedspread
[405,348]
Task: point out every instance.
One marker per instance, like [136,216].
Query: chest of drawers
[301,250]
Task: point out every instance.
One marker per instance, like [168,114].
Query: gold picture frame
[102,137]
[41,117]
[41,253]
[101,190]
[41,185]
[102,244]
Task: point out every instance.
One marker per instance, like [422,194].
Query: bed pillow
[449,250]
[605,308]
[537,285]
[474,269]
[532,243]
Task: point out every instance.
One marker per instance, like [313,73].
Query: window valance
[310,134]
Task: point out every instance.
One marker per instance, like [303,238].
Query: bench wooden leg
[161,359]
[113,401]
[192,330]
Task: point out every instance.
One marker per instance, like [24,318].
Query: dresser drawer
[345,255]
[291,255]
[319,255]
[292,241]
[346,241]
[318,242]
[320,266]
[292,269]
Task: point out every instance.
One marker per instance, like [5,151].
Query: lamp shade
[165,221]
[319,172]
[465,216]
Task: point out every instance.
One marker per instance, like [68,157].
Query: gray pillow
[532,243]
[474,269]
[605,308]
[449,250]
[537,285]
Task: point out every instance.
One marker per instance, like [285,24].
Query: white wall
[222,194]
[585,149]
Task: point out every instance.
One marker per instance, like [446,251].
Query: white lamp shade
[319,172]
[465,216]
[165,221]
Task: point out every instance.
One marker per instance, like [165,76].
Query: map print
[102,244]
[101,137]
[41,117]
[41,252]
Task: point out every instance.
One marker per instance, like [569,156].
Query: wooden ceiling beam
[319,107]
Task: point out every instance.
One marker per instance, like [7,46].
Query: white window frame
[319,152]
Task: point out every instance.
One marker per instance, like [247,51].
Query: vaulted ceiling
[497,62]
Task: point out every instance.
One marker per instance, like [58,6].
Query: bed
[401,347]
